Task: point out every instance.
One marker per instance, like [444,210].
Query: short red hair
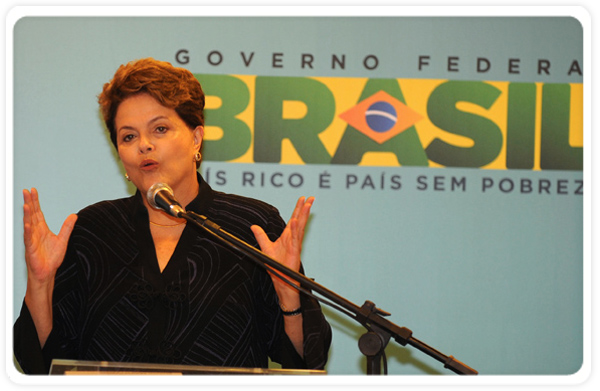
[175,88]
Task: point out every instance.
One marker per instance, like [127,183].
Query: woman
[123,281]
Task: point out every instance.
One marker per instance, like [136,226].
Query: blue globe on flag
[381,116]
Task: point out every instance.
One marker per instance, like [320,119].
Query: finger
[297,208]
[37,215]
[296,234]
[303,217]
[35,199]
[30,240]
[27,225]
[27,206]
[302,209]
[67,227]
[305,211]
[26,196]
[28,219]
[261,237]
[35,207]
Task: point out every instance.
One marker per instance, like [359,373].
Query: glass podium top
[75,367]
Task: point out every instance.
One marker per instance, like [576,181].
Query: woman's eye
[128,137]
[161,129]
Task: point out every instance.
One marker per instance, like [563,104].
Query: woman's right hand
[44,251]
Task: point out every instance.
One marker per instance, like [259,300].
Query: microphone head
[153,190]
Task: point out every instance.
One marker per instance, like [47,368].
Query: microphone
[160,196]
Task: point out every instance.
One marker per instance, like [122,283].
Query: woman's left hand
[286,250]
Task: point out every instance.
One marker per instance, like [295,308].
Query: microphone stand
[372,344]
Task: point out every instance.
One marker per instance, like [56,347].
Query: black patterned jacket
[209,306]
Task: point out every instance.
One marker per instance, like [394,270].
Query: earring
[127,177]
[197,156]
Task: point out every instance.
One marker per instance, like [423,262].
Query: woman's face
[155,145]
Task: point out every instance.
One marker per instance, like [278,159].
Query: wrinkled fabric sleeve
[62,340]
[26,345]
[317,339]
[317,333]
[316,330]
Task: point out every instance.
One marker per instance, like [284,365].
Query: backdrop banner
[445,155]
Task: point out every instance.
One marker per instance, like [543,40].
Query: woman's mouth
[148,165]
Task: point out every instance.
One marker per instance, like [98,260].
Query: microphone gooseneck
[160,196]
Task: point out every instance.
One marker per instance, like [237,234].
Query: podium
[76,367]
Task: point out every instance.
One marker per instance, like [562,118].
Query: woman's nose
[145,144]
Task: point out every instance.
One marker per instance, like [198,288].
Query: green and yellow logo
[393,122]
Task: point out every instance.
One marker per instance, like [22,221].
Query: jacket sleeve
[316,329]
[317,333]
[62,340]
[26,345]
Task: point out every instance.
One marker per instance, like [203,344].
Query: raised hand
[44,253]
[287,248]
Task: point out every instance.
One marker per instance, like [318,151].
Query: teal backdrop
[484,263]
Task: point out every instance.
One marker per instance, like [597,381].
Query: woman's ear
[198,136]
